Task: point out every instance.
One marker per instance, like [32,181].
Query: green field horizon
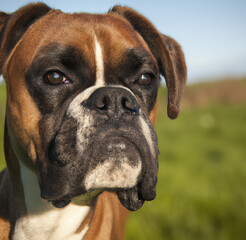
[201,191]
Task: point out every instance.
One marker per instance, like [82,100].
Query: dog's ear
[13,26]
[4,17]
[167,52]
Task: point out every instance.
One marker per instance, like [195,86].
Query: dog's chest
[55,224]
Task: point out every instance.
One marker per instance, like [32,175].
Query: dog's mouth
[120,168]
[116,164]
[119,159]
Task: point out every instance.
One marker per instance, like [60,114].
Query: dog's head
[82,99]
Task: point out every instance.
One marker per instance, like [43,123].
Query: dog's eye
[56,78]
[145,79]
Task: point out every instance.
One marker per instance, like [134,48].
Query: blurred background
[201,192]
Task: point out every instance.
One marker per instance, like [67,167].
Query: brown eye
[145,79]
[56,78]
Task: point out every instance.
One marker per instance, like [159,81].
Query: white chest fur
[44,221]
[55,224]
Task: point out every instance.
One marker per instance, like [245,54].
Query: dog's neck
[32,218]
[43,220]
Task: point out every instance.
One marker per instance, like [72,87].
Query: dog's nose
[113,100]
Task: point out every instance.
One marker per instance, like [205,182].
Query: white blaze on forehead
[99,63]
[75,106]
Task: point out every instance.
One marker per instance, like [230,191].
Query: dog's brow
[66,54]
[139,56]
[64,58]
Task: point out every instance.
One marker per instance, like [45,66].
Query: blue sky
[212,33]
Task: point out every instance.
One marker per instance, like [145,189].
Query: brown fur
[108,220]
[154,114]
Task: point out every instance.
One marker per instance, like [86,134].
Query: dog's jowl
[80,144]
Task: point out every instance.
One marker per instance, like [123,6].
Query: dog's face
[81,91]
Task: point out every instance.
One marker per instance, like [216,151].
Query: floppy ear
[13,26]
[168,53]
[3,22]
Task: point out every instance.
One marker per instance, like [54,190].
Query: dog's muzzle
[113,147]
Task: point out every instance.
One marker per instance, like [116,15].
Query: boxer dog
[79,140]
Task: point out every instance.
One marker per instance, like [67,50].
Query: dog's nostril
[102,103]
[123,102]
[98,102]
[130,105]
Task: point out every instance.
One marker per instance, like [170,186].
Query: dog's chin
[85,199]
[130,198]
[122,169]
[61,203]
[116,165]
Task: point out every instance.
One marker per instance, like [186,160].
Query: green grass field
[201,191]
